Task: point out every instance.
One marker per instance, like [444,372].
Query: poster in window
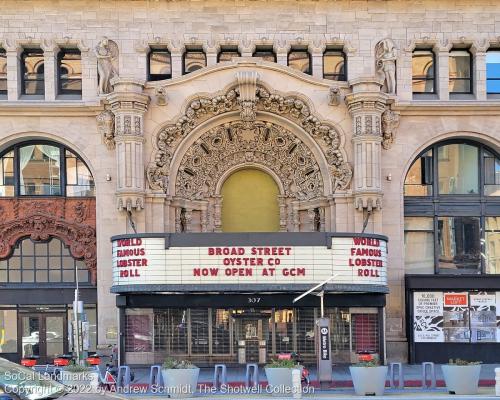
[456,317]
[483,317]
[428,317]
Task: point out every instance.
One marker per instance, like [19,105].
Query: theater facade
[196,167]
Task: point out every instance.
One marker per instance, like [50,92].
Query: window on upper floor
[3,73]
[44,169]
[334,65]
[460,71]
[493,72]
[423,71]
[300,59]
[159,64]
[193,60]
[69,68]
[228,53]
[32,68]
[266,53]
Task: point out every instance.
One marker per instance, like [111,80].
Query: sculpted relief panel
[232,144]
[287,106]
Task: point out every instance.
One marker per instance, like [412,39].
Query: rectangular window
[423,72]
[300,60]
[492,245]
[33,70]
[3,73]
[227,54]
[305,331]
[418,181]
[8,328]
[69,67]
[283,329]
[79,180]
[458,169]
[459,241]
[266,53]
[159,65]
[199,330]
[138,331]
[193,60]
[171,331]
[334,65]
[493,72]
[491,174]
[40,173]
[460,63]
[419,245]
[7,175]
[220,331]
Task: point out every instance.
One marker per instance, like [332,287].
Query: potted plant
[368,378]
[279,375]
[80,377]
[180,378]
[461,377]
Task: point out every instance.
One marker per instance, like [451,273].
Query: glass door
[43,335]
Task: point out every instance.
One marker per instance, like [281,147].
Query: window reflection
[79,180]
[491,174]
[423,71]
[419,245]
[493,71]
[160,65]
[33,72]
[492,245]
[39,170]
[460,71]
[3,73]
[194,60]
[418,180]
[459,244]
[334,65]
[458,169]
[70,71]
[7,174]
[228,54]
[300,61]
[266,53]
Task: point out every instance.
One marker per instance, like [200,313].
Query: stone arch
[290,107]
[232,144]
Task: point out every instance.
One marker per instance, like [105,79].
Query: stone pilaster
[366,104]
[129,103]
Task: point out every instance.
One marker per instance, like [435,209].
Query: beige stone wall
[355,26]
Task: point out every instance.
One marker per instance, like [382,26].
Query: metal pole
[76,339]
[322,305]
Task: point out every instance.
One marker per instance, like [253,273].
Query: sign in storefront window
[456,317]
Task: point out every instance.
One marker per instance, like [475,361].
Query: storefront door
[43,335]
[254,333]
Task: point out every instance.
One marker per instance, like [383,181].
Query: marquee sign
[359,260]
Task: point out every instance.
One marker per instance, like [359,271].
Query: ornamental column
[128,104]
[366,104]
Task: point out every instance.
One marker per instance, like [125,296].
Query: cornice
[461,108]
[50,109]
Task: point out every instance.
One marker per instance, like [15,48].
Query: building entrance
[252,335]
[43,335]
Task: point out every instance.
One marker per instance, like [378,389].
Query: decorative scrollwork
[290,107]
[233,144]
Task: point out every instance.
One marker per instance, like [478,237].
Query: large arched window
[452,210]
[44,169]
[42,262]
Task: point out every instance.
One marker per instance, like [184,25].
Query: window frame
[496,50]
[60,55]
[159,77]
[192,50]
[300,50]
[434,75]
[438,205]
[3,93]
[471,72]
[228,49]
[23,72]
[62,157]
[265,49]
[344,56]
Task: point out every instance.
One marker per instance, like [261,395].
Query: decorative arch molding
[232,144]
[72,221]
[288,106]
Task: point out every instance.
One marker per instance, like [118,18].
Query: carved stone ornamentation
[229,145]
[334,96]
[70,220]
[106,126]
[161,96]
[247,89]
[390,123]
[290,107]
[385,56]
[107,64]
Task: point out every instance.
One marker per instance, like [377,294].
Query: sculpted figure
[385,54]
[107,57]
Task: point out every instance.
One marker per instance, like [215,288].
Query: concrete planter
[280,381]
[81,381]
[369,380]
[461,379]
[180,383]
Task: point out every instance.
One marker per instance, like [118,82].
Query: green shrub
[461,362]
[371,363]
[282,364]
[172,363]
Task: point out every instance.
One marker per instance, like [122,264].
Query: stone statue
[107,64]
[385,55]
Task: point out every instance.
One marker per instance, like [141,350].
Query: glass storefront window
[283,328]
[199,331]
[459,241]
[39,167]
[305,331]
[419,245]
[492,245]
[138,330]
[458,169]
[8,331]
[418,180]
[220,331]
[171,331]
